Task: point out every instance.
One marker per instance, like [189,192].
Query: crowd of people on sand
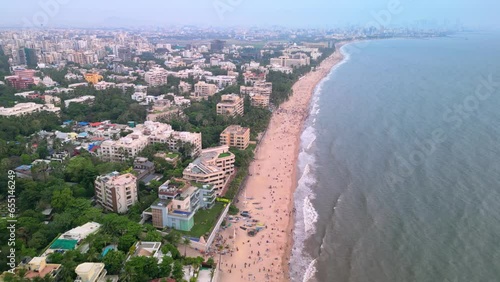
[260,258]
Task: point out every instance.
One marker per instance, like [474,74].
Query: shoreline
[269,189]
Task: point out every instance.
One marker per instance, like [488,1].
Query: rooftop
[235,129]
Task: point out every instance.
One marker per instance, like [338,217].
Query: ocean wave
[310,271]
[310,216]
[303,266]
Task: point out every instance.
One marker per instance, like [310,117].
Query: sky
[308,13]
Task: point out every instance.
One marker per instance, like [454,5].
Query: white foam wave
[310,217]
[310,271]
[303,267]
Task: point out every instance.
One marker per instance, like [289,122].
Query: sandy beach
[268,193]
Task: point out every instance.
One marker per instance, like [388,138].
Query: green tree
[166,266]
[61,198]
[177,271]
[186,242]
[139,269]
[114,261]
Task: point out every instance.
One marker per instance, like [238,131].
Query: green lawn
[223,155]
[205,220]
[172,155]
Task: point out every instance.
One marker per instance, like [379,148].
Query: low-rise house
[28,108]
[143,167]
[147,249]
[177,206]
[82,99]
[93,272]
[39,268]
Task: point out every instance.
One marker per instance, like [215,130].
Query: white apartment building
[82,99]
[116,192]
[144,134]
[214,166]
[28,108]
[156,76]
[123,149]
[222,80]
[291,61]
[262,88]
[103,85]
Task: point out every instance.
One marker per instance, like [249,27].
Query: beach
[268,191]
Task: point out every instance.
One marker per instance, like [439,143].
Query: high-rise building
[21,58]
[235,136]
[203,89]
[213,167]
[125,54]
[31,57]
[116,192]
[217,45]
[231,105]
[156,76]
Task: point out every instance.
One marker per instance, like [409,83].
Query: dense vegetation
[111,104]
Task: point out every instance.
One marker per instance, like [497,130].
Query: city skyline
[314,13]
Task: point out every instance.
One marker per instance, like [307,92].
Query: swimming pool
[107,249]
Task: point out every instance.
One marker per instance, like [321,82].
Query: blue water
[107,249]
[400,165]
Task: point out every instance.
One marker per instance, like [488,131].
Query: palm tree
[186,242]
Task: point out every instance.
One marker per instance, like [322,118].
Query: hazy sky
[316,13]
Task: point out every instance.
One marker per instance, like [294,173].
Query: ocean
[399,166]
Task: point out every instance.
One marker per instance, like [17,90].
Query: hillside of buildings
[124,155]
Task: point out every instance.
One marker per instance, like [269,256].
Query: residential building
[92,272]
[48,82]
[28,108]
[22,78]
[81,232]
[38,267]
[251,77]
[184,87]
[261,87]
[147,249]
[80,84]
[143,167]
[291,61]
[222,80]
[258,100]
[235,136]
[163,109]
[203,89]
[116,192]
[148,133]
[231,105]
[93,78]
[156,76]
[82,99]
[103,85]
[214,167]
[177,206]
